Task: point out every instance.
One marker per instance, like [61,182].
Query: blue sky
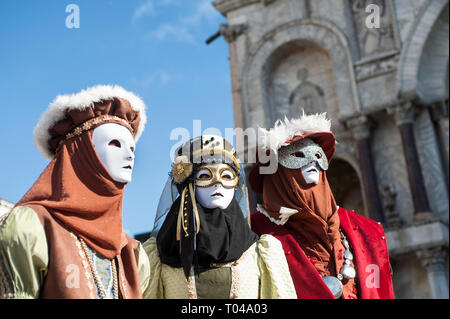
[154,48]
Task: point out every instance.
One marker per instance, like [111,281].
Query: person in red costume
[331,252]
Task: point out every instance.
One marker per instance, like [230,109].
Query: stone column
[361,132]
[439,115]
[230,37]
[230,33]
[433,260]
[404,118]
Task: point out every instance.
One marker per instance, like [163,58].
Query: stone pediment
[417,236]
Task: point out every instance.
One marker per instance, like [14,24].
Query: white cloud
[170,31]
[158,77]
[144,9]
[203,11]
[181,30]
[168,2]
[151,7]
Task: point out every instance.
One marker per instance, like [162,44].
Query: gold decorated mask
[211,174]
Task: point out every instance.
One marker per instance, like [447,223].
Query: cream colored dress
[262,272]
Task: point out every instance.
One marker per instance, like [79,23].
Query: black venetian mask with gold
[192,233]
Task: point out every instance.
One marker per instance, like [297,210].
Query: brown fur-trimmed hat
[72,114]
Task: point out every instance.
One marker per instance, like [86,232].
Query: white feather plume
[286,130]
[82,100]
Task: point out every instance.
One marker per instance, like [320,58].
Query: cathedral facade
[379,68]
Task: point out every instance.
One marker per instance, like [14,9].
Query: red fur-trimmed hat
[314,126]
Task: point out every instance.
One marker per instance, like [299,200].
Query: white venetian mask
[115,147]
[306,155]
[311,173]
[301,153]
[215,185]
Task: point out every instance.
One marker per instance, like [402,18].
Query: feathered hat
[70,115]
[314,126]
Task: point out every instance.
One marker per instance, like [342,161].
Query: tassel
[180,220]
[194,207]
[188,223]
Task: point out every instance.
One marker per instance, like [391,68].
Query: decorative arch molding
[321,33]
[432,83]
[415,52]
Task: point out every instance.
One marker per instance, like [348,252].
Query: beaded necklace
[97,280]
[347,271]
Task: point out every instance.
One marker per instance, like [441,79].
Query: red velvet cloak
[368,243]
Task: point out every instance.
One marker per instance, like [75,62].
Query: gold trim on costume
[230,263]
[113,282]
[191,286]
[212,150]
[181,221]
[215,172]
[234,290]
[92,122]
[122,279]
[85,264]
[194,206]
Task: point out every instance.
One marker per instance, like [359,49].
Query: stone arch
[256,104]
[346,185]
[423,60]
[433,67]
[345,154]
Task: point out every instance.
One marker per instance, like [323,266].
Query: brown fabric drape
[78,191]
[316,225]
[64,253]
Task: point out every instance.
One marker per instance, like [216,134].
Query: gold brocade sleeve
[275,280]
[143,268]
[154,288]
[23,254]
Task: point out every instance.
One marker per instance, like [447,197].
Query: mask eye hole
[204,174]
[115,143]
[227,175]
[318,155]
[298,154]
